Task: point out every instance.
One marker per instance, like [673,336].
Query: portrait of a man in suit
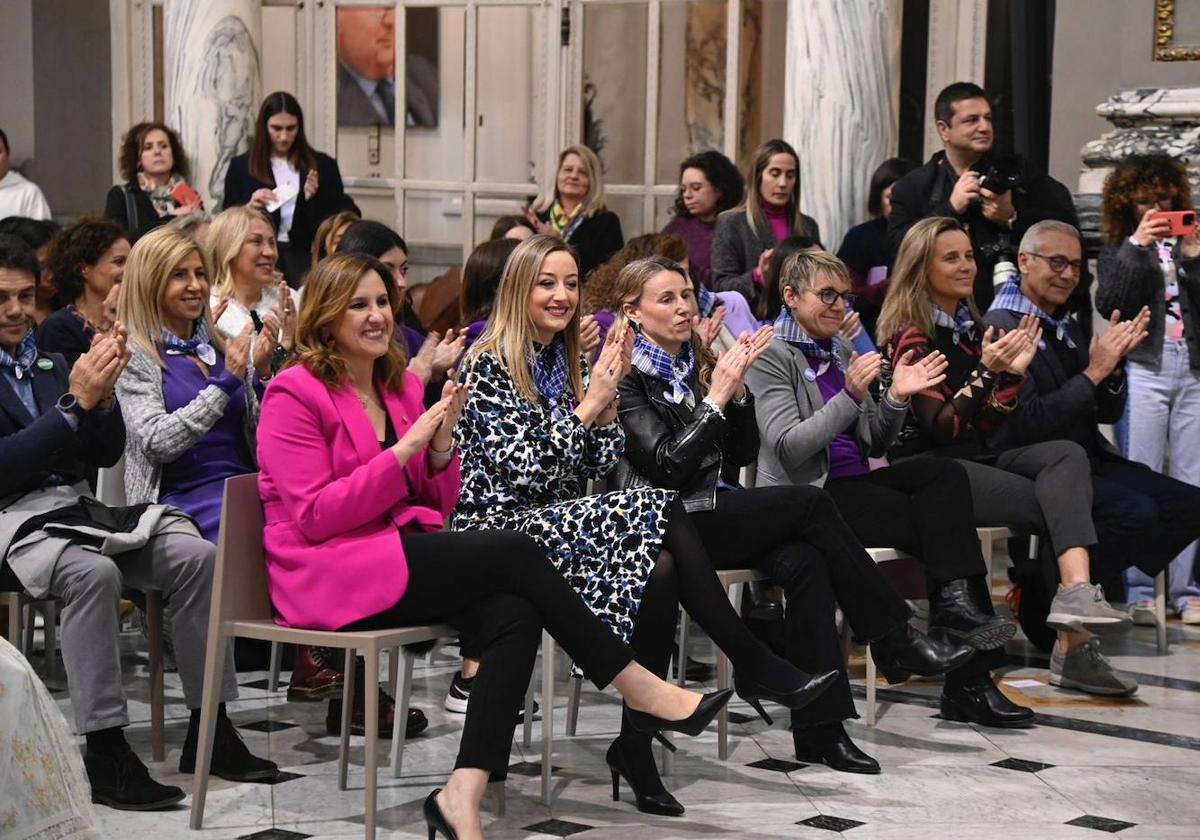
[366,49]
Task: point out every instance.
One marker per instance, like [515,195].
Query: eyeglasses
[829,296]
[1059,264]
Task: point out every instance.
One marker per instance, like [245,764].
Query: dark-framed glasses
[829,296]
[1058,263]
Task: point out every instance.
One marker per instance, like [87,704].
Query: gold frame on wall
[1164,34]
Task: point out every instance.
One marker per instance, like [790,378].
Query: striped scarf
[786,329]
[1010,298]
[652,360]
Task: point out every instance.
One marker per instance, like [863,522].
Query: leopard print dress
[524,467]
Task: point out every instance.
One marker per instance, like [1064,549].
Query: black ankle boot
[960,612]
[631,759]
[120,780]
[978,700]
[231,759]
[906,651]
[829,744]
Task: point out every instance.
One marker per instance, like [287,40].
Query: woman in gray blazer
[819,424]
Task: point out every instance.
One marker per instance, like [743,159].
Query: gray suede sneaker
[1081,606]
[1086,669]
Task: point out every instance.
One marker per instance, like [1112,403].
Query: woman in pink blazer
[356,480]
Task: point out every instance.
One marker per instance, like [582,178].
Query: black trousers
[796,535]
[502,582]
[921,506]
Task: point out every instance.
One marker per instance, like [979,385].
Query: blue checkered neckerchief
[23,363]
[199,345]
[548,364]
[1011,299]
[654,361]
[707,302]
[962,322]
[786,329]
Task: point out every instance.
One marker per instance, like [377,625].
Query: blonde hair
[226,236]
[594,201]
[802,268]
[509,332]
[139,303]
[327,294]
[628,290]
[754,200]
[908,300]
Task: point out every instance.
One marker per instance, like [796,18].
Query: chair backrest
[240,577]
[110,484]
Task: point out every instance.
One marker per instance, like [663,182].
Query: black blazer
[677,448]
[32,449]
[330,198]
[595,240]
[144,219]
[1057,401]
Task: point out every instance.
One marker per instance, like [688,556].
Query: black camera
[1003,173]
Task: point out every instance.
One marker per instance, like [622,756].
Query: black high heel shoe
[906,651]
[641,778]
[435,820]
[692,725]
[797,698]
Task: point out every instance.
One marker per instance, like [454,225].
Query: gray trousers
[1044,488]
[177,565]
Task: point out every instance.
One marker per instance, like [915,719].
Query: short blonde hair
[226,236]
[594,201]
[139,304]
[802,268]
[909,302]
[509,332]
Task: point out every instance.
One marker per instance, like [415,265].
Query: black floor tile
[776,764]
[830,823]
[275,834]
[263,684]
[559,828]
[1022,764]
[529,768]
[268,725]
[1100,823]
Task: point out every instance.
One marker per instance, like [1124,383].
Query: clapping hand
[851,326]
[311,184]
[729,374]
[589,334]
[709,328]
[455,396]
[862,373]
[95,373]
[1030,330]
[909,377]
[237,352]
[616,357]
[1108,351]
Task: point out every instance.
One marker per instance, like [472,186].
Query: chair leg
[154,630]
[987,547]
[575,690]
[548,648]
[50,635]
[1160,611]
[527,726]
[13,603]
[30,626]
[371,757]
[214,670]
[871,678]
[499,804]
[276,661]
[402,670]
[393,676]
[681,662]
[724,679]
[347,714]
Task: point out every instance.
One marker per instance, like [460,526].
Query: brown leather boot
[314,677]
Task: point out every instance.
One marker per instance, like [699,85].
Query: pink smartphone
[1182,222]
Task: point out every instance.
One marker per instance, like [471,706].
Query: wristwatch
[69,404]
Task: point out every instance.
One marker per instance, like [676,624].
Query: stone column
[841,103]
[212,83]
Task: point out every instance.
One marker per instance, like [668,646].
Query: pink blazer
[335,503]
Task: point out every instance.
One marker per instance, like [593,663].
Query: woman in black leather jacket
[688,419]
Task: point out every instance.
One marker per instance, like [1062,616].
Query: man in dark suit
[366,92]
[57,540]
[1142,518]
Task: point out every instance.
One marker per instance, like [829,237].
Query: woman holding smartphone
[156,190]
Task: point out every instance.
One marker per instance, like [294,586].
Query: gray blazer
[155,436]
[736,249]
[796,425]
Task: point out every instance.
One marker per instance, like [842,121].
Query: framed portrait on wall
[366,72]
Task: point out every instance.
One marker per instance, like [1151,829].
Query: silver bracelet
[443,453]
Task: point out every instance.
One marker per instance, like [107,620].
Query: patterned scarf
[564,224]
[786,329]
[1011,299]
[652,360]
[198,345]
[22,364]
[160,197]
[548,364]
[706,301]
[962,322]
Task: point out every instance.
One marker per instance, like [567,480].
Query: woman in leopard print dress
[535,428]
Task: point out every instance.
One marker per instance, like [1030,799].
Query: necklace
[364,400]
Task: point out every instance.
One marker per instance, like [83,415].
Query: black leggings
[503,582]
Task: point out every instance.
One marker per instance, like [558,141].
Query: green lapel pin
[45,364]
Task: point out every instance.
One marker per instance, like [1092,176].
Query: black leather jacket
[679,448]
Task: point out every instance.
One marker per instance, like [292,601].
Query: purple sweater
[845,458]
[698,235]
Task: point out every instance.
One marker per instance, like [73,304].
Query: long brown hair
[327,293]
[908,300]
[630,285]
[754,201]
[509,332]
[129,159]
[301,154]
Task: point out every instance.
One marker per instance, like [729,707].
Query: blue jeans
[1162,426]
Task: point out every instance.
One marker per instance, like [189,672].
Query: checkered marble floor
[1093,766]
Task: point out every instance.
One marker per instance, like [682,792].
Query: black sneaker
[121,781]
[459,694]
[231,759]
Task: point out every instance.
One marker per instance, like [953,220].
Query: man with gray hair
[1142,518]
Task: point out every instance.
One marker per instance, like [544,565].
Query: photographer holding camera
[997,197]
